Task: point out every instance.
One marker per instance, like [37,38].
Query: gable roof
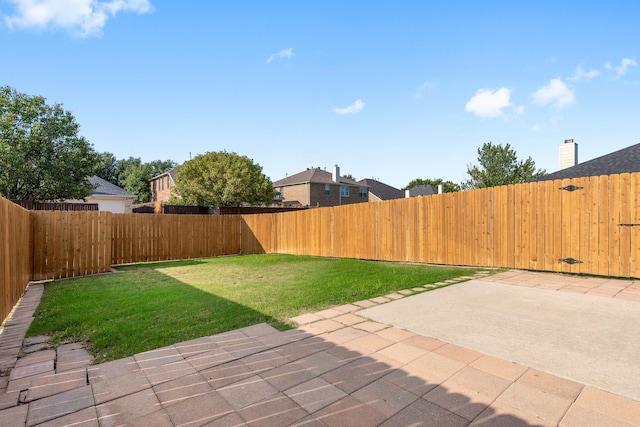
[171,172]
[105,188]
[422,190]
[315,176]
[621,161]
[382,190]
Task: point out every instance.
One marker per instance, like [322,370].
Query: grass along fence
[15,254]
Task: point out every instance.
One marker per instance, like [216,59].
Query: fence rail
[594,229]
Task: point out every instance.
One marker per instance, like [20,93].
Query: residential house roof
[315,176]
[621,161]
[105,188]
[381,190]
[422,190]
[171,172]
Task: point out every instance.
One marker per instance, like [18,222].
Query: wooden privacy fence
[594,229]
[15,255]
[142,238]
[69,244]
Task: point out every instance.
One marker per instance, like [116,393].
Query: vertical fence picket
[614,228]
[634,217]
[625,231]
[549,225]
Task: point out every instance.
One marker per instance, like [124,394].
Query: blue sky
[394,90]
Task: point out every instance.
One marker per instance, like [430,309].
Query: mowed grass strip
[154,305]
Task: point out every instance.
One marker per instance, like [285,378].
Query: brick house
[379,191]
[161,186]
[318,188]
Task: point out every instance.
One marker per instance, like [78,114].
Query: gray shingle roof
[313,175]
[621,161]
[105,188]
[422,190]
[382,190]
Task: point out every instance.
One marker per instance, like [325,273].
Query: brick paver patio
[336,369]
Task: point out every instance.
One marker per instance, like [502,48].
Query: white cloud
[625,64]
[354,108]
[581,74]
[83,17]
[284,53]
[422,89]
[556,93]
[490,103]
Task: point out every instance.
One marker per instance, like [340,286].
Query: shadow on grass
[160,264]
[153,310]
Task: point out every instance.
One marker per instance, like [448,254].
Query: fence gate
[599,225]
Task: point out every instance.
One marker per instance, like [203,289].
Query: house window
[363,193]
[327,189]
[162,183]
[344,191]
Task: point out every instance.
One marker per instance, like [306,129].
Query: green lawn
[149,306]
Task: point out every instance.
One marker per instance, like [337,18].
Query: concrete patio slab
[586,338]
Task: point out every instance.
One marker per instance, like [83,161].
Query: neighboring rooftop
[422,190]
[381,190]
[105,188]
[313,175]
[171,172]
[622,161]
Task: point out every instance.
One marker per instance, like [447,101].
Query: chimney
[336,174]
[407,194]
[568,154]
[440,188]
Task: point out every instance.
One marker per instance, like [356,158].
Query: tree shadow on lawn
[161,311]
[152,311]
[163,264]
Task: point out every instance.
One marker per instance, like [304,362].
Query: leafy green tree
[349,176]
[133,175]
[223,179]
[500,165]
[42,156]
[447,186]
[106,167]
